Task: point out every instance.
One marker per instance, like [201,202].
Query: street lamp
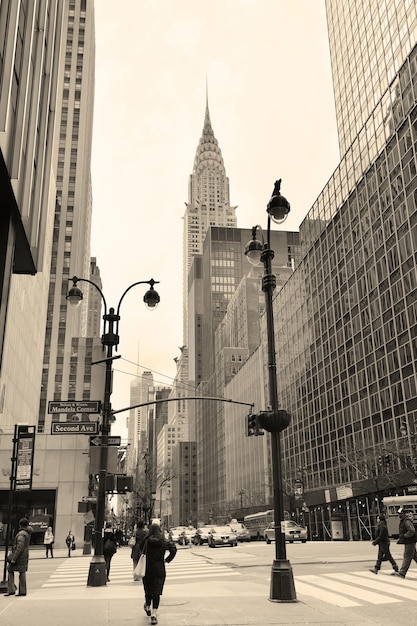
[109,339]
[274,420]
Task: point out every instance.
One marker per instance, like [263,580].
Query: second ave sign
[76,428]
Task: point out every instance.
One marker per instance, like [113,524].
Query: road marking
[364,587]
[322,594]
[75,573]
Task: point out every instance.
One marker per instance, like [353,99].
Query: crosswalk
[358,588]
[74,572]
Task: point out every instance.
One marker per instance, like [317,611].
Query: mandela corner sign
[74,406]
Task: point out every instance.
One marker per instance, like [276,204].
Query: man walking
[18,559]
[382,541]
[407,536]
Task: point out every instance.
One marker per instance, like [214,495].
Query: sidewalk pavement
[234,601]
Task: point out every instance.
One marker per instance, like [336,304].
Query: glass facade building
[346,320]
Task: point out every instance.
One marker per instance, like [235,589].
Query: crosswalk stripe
[363,586]
[121,572]
[397,582]
[349,590]
[324,595]
[376,585]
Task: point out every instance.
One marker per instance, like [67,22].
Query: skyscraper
[208,202]
[29,72]
[72,220]
[347,370]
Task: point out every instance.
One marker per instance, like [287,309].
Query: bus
[257,522]
[392,504]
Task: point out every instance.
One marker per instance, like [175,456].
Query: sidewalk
[234,601]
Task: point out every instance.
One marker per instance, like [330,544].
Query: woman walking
[48,541]
[155,547]
[109,547]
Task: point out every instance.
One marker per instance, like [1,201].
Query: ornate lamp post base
[282,582]
[97,576]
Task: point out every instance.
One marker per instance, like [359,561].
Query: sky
[266,67]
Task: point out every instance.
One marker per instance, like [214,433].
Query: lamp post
[274,420]
[109,339]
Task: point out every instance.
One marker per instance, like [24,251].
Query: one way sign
[111,441]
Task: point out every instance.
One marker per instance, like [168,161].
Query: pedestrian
[109,547]
[18,559]
[382,541]
[118,533]
[407,536]
[70,541]
[48,541]
[155,546]
[136,549]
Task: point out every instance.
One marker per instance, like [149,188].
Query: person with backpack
[382,541]
[407,536]
[109,547]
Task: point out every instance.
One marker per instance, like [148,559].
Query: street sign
[24,457]
[89,499]
[74,406]
[74,428]
[111,441]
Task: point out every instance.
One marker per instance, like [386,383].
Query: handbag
[140,569]
[73,546]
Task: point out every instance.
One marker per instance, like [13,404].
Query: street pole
[97,576]
[275,420]
[282,587]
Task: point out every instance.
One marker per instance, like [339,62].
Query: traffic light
[123,483]
[252,426]
[118,483]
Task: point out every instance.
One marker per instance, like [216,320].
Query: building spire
[207,116]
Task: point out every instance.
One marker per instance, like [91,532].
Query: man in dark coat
[155,545]
[18,559]
[407,537]
[382,541]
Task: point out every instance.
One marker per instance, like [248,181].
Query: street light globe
[75,296]
[253,251]
[151,299]
[278,208]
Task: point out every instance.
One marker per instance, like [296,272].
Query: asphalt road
[223,586]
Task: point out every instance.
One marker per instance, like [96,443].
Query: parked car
[293,532]
[175,532]
[240,529]
[186,536]
[221,536]
[201,535]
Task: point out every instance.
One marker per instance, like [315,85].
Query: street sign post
[74,406]
[74,428]
[111,441]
